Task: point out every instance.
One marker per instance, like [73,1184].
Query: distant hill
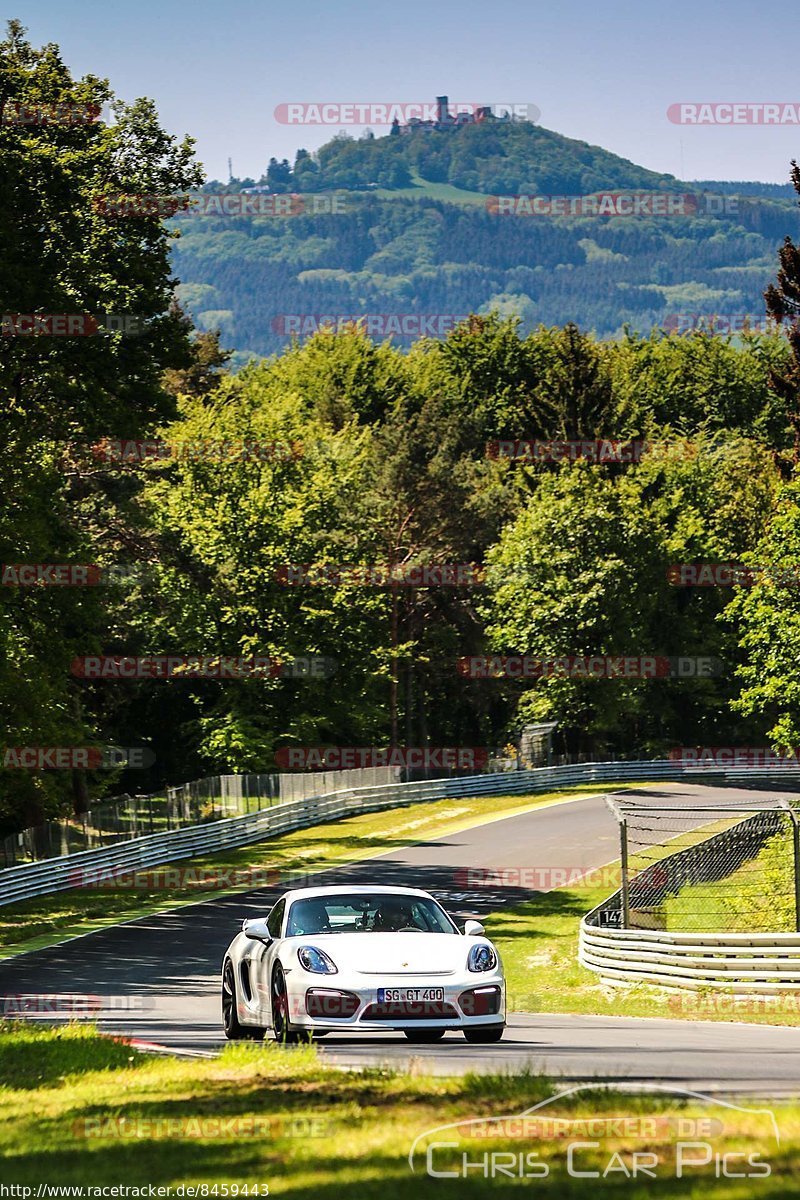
[418,235]
[486,158]
[745,187]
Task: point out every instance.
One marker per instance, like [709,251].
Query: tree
[783,305]
[279,175]
[584,569]
[767,619]
[64,254]
[234,526]
[206,371]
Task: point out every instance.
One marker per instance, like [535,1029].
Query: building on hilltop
[445,120]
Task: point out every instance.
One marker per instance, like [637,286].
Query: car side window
[275,919]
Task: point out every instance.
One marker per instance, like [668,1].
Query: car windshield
[367,913]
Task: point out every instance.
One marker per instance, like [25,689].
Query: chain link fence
[122,818]
[125,817]
[729,868]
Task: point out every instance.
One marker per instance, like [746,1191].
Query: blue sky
[604,72]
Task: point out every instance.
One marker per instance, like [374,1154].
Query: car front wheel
[281,1025]
[489,1033]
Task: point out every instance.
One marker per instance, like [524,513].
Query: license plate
[409,995]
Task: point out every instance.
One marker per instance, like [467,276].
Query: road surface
[159,975]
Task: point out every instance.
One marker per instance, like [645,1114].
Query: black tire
[234,1031]
[282,1027]
[424,1035]
[486,1033]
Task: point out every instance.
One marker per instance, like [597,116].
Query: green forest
[346,451]
[408,224]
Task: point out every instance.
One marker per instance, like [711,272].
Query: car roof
[357,889]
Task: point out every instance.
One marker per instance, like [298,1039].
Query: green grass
[82,1110]
[538,943]
[48,919]
[425,189]
[758,895]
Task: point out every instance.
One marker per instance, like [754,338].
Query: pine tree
[783,305]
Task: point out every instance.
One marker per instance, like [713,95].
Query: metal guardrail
[68,871]
[125,818]
[72,870]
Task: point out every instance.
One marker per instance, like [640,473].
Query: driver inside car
[309,917]
[391,918]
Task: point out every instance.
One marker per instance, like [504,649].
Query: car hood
[394,953]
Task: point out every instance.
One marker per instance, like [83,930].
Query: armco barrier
[736,963]
[60,874]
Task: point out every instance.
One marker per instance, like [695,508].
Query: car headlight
[482,958]
[316,960]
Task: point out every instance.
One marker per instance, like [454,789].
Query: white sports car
[362,958]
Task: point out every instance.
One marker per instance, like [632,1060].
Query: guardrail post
[796,863]
[623,859]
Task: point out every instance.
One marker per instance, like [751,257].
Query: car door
[262,958]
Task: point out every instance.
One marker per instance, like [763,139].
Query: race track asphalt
[158,976]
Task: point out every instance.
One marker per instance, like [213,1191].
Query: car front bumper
[326,1002]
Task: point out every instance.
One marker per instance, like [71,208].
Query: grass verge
[538,942]
[77,1109]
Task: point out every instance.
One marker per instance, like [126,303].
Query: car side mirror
[257,930]
[473,928]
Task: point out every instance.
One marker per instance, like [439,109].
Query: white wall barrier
[736,963]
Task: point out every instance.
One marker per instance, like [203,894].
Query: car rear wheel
[424,1035]
[234,1030]
[489,1033]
